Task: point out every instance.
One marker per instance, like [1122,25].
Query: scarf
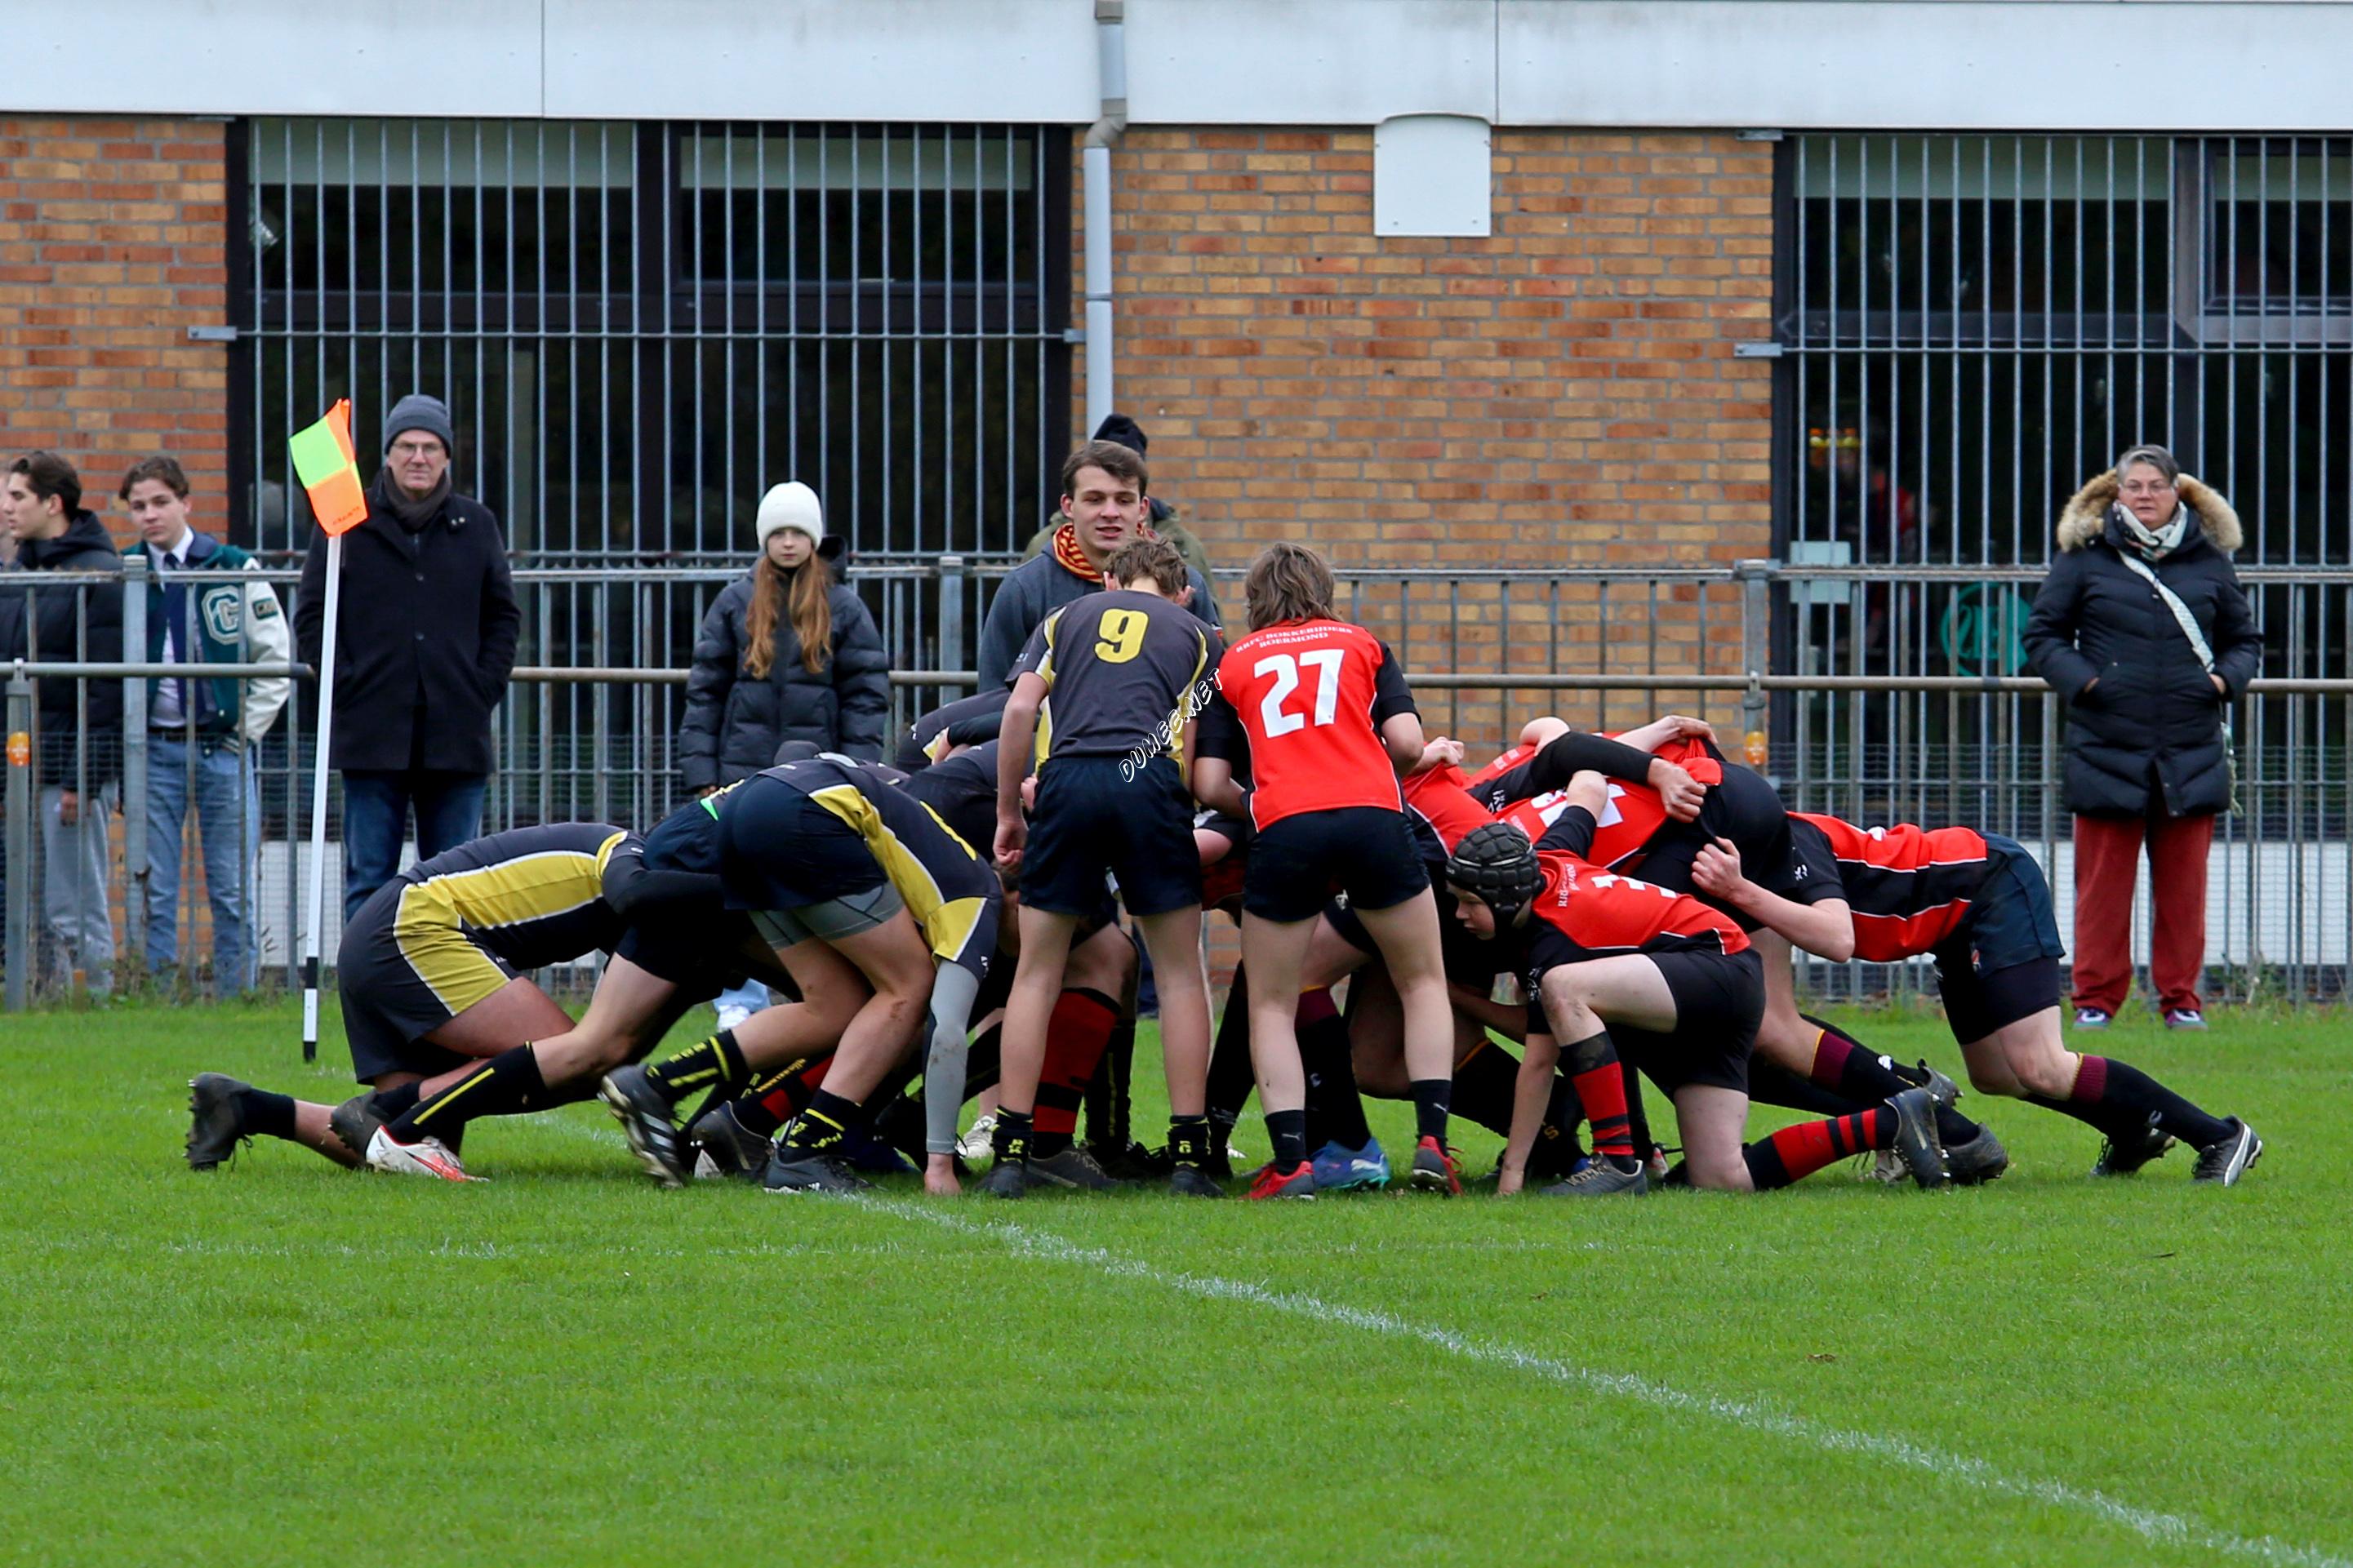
[387,497]
[1073,560]
[2154,544]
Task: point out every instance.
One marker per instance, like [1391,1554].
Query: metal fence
[589,730]
[640,327]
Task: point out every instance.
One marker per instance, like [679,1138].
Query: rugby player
[1978,904]
[1123,667]
[1320,710]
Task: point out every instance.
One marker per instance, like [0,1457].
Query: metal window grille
[1970,327]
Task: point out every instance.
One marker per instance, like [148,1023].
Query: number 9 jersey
[1299,707]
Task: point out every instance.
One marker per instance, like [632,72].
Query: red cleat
[1434,1170]
[1300,1183]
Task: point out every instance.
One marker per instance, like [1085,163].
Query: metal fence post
[1755,580]
[21,869]
[956,581]
[134,762]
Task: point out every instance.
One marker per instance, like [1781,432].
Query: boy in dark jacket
[81,720]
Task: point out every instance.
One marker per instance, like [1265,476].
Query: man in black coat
[424,643]
[2146,756]
[81,720]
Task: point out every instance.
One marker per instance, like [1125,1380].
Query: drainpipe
[1110,43]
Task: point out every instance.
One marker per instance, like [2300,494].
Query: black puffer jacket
[734,722]
[54,634]
[2150,733]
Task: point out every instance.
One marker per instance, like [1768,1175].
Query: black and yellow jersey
[950,889]
[1120,670]
[534,895]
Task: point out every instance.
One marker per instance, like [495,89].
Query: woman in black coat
[2148,759]
[786,654]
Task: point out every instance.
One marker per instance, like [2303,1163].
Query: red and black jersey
[1603,914]
[1910,888]
[1633,813]
[1440,811]
[1302,703]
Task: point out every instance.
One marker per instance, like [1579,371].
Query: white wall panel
[1931,64]
[1308,62]
[418,58]
[822,59]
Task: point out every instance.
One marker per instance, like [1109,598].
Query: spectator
[785,655]
[1103,506]
[201,730]
[2141,626]
[79,783]
[1119,427]
[423,651]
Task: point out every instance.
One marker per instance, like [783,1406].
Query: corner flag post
[322,460]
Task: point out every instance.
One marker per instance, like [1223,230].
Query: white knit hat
[794,505]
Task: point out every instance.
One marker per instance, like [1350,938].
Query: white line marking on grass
[2163,1529]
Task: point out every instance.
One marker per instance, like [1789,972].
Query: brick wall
[1563,392]
[113,242]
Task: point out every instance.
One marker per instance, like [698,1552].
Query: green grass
[283,1361]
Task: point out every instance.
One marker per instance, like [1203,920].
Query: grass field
[283,1361]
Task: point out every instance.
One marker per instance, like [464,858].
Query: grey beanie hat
[419,412]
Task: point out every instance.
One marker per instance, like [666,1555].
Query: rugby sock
[2118,1098]
[1011,1139]
[1188,1140]
[1107,1096]
[1638,1121]
[820,1126]
[1231,1077]
[1600,1079]
[1336,1107]
[261,1115]
[1486,1083]
[391,1104]
[1845,1068]
[1769,1083]
[1431,1099]
[716,1064]
[1077,1033]
[782,1095]
[1796,1153]
[1288,1129]
[506,1084]
[1557,1152]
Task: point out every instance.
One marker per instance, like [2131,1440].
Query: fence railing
[1878,693]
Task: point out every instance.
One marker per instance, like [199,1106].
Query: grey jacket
[1034,590]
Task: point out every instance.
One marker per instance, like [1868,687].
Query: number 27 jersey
[1303,704]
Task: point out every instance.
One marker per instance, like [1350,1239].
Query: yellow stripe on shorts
[426,929]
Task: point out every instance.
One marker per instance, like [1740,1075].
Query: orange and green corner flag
[322,460]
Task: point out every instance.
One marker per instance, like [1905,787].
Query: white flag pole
[313,926]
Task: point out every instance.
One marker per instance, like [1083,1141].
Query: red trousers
[2107,863]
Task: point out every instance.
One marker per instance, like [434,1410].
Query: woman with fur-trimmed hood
[2148,758]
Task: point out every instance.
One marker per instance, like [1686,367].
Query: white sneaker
[426,1157]
[975,1144]
[732,1017]
[1887,1166]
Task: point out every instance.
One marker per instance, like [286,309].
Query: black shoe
[1602,1179]
[645,1119]
[1917,1143]
[1072,1167]
[2226,1162]
[1007,1178]
[1976,1161]
[1220,1162]
[1134,1163]
[726,1148]
[900,1126]
[1193,1182]
[799,1171]
[216,1118]
[355,1121]
[2122,1157]
[1944,1090]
